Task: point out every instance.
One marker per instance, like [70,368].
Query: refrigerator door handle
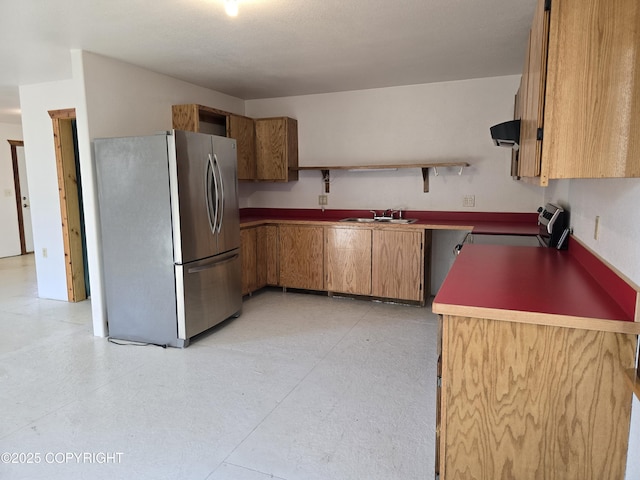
[216,181]
[208,266]
[221,198]
[212,212]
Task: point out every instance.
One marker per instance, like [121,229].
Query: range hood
[506,134]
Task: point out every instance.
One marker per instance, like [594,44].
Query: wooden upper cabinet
[198,118]
[244,131]
[587,102]
[277,149]
[267,148]
[348,260]
[533,88]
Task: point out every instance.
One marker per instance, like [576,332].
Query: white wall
[442,122]
[10,238]
[36,101]
[120,99]
[111,98]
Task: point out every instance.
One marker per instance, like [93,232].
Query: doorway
[21,189]
[71,205]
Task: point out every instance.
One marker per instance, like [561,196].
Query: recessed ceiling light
[231,7]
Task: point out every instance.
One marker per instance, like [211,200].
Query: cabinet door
[534,79]
[348,260]
[592,109]
[527,401]
[248,255]
[301,257]
[268,255]
[244,131]
[276,149]
[398,265]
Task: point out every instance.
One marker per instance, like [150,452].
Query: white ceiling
[273,48]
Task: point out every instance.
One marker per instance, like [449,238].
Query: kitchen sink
[358,220]
[379,220]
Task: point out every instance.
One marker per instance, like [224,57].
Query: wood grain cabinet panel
[348,260]
[532,401]
[267,148]
[532,90]
[301,256]
[243,130]
[249,259]
[268,255]
[386,263]
[185,117]
[258,251]
[582,79]
[276,149]
[198,118]
[397,266]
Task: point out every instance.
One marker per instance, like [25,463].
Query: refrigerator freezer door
[193,194]
[209,292]
[228,227]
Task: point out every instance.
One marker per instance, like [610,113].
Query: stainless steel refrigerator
[170,227]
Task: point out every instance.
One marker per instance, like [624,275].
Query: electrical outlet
[44,253]
[469,201]
[322,200]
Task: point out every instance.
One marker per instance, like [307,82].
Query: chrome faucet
[388,214]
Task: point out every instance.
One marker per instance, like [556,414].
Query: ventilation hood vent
[506,134]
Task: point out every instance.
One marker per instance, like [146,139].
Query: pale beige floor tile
[299,387]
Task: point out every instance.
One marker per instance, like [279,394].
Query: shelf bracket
[425,178]
[326,178]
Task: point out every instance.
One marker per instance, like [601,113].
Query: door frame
[16,184]
[69,202]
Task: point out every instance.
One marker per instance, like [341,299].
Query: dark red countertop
[487,223]
[531,283]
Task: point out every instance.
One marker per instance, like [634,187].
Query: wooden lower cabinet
[269,273]
[526,401]
[386,263]
[398,264]
[348,260]
[301,256]
[258,252]
[249,259]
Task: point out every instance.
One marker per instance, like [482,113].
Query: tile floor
[300,387]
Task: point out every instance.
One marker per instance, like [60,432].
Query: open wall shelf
[326,175]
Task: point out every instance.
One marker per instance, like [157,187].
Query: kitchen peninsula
[534,348]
